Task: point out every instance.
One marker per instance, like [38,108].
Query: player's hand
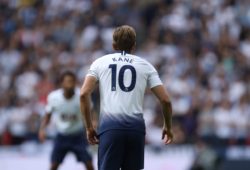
[167,136]
[42,135]
[92,136]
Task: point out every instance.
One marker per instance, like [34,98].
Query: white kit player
[123,79]
[65,106]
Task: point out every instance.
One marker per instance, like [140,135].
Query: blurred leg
[54,166]
[79,148]
[89,165]
[59,151]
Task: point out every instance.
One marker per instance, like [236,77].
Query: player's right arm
[47,117]
[85,104]
[44,124]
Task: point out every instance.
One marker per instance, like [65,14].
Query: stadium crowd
[200,48]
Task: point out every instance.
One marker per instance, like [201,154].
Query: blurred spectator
[223,122]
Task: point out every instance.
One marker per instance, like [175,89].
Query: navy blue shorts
[121,149]
[76,144]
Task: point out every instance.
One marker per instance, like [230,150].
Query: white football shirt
[123,79]
[66,112]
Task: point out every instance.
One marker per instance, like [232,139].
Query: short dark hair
[67,73]
[124,38]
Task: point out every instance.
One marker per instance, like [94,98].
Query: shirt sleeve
[94,70]
[153,77]
[49,108]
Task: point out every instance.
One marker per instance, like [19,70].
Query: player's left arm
[156,86]
[85,105]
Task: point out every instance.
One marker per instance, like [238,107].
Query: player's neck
[125,52]
[68,94]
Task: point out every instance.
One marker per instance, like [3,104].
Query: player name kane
[123,59]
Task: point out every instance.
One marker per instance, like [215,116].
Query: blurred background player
[123,79]
[65,106]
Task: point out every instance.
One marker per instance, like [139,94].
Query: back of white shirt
[123,79]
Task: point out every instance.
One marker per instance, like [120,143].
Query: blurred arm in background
[42,131]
